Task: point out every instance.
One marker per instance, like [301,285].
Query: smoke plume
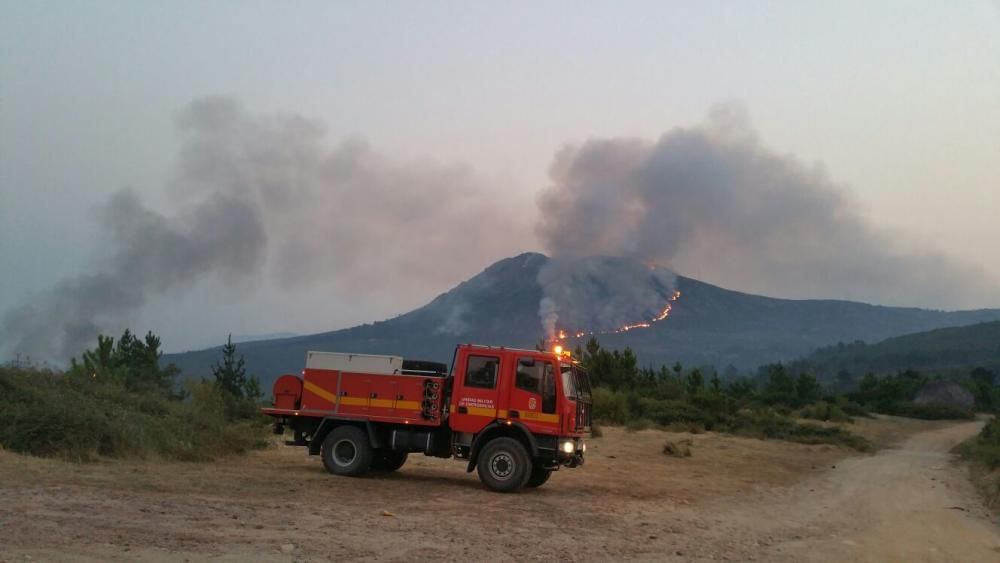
[600,293]
[263,198]
[713,202]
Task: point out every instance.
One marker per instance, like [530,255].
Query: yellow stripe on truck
[322,393]
[361,401]
[540,417]
[482,411]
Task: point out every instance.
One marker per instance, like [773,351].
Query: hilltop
[944,350]
[708,325]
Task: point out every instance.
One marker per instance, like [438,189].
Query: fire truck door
[533,399]
[475,398]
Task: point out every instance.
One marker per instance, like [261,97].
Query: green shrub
[595,431]
[48,414]
[985,448]
[610,407]
[824,411]
[850,408]
[769,424]
[665,413]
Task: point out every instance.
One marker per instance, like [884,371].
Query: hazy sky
[899,103]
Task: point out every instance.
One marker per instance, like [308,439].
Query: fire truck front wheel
[539,475]
[504,465]
[346,451]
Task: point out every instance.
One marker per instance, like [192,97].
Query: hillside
[945,350]
[708,325]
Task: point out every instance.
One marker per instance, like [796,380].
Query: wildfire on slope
[628,327]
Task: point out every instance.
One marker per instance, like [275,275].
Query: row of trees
[135,364]
[669,394]
[131,362]
[625,393]
[620,371]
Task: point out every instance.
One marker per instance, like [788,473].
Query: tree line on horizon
[767,403]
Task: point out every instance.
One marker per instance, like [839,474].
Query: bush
[680,448]
[824,411]
[850,408]
[983,452]
[985,448]
[768,424]
[595,431]
[48,414]
[665,413]
[610,407]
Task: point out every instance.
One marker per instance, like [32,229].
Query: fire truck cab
[513,415]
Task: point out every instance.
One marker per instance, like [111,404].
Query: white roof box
[355,363]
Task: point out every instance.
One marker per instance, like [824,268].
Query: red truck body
[515,415]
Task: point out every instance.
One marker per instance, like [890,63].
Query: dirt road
[904,504]
[734,499]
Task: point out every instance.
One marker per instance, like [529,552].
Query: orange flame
[646,324]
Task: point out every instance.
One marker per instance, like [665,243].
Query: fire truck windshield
[575,383]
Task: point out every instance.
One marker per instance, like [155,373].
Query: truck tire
[346,451]
[539,475]
[504,465]
[388,460]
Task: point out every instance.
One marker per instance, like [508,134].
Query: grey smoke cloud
[600,293]
[714,202]
[264,198]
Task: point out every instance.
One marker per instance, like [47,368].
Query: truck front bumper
[570,452]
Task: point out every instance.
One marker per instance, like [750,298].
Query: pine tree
[230,374]
[695,382]
[715,384]
[148,362]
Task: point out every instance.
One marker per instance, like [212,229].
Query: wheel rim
[502,466]
[344,452]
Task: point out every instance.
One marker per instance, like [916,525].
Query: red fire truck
[514,415]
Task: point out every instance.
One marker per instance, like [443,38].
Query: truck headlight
[568,447]
[583,447]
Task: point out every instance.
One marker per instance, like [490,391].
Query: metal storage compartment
[355,363]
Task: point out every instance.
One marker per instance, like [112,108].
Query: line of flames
[645,324]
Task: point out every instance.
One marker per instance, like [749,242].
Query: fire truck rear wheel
[346,451]
[504,465]
[539,475]
[388,460]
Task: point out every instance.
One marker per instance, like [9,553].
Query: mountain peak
[502,305]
